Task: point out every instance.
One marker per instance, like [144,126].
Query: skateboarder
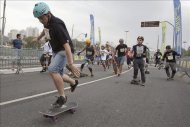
[90,55]
[158,56]
[56,32]
[139,54]
[170,57]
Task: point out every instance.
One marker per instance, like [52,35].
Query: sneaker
[59,102]
[73,87]
[43,70]
[143,84]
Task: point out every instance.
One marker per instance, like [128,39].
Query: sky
[113,18]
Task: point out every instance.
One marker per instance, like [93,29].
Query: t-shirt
[58,35]
[103,54]
[89,51]
[158,55]
[17,43]
[121,49]
[170,56]
[47,48]
[139,51]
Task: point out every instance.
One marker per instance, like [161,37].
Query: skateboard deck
[135,82]
[54,112]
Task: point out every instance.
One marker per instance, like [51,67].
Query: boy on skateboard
[56,32]
[139,55]
[170,57]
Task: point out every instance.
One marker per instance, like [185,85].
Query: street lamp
[184,47]
[126,36]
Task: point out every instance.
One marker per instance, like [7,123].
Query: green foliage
[30,44]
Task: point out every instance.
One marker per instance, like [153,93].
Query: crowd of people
[59,50]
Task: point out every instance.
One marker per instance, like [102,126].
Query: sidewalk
[25,70]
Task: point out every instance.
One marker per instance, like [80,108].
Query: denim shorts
[58,62]
[121,60]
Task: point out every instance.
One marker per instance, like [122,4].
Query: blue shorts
[58,62]
[120,60]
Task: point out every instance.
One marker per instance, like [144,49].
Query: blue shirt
[17,43]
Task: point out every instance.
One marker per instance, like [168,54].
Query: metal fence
[184,65]
[26,57]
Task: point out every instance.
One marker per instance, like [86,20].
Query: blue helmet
[40,9]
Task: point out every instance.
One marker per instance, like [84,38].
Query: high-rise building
[12,34]
[30,31]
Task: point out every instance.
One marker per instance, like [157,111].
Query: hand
[78,53]
[35,40]
[74,70]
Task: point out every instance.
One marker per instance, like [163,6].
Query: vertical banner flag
[163,45]
[99,32]
[178,26]
[92,29]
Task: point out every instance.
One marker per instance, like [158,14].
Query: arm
[41,35]
[68,54]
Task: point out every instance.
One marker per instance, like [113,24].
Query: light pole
[126,37]
[184,47]
[3,23]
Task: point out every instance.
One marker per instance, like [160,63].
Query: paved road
[111,102]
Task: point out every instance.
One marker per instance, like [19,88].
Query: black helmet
[168,47]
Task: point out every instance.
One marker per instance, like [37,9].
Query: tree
[30,44]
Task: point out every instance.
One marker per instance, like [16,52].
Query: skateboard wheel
[45,116]
[54,118]
[72,111]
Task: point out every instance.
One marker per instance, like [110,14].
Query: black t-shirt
[170,56]
[58,34]
[121,48]
[158,55]
[89,51]
[139,51]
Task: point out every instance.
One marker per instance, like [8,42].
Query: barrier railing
[28,58]
[183,65]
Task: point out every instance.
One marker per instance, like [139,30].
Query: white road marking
[50,92]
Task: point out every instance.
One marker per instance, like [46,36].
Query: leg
[135,65]
[142,66]
[173,68]
[59,83]
[73,83]
[167,70]
[56,71]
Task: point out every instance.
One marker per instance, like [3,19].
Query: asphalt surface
[110,102]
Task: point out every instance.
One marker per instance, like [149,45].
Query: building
[30,31]
[12,34]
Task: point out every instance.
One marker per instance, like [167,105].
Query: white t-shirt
[47,48]
[103,54]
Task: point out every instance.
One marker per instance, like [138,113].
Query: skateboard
[135,82]
[53,113]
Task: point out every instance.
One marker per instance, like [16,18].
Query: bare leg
[59,83]
[67,79]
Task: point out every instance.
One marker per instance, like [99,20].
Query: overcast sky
[113,17]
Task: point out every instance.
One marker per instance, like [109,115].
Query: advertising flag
[178,26]
[163,45]
[92,29]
